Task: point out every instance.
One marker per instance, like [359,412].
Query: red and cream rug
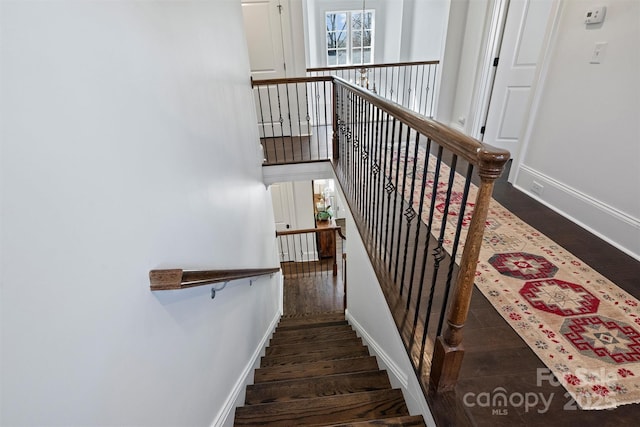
[584,328]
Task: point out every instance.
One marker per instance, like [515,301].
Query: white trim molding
[221,418]
[388,362]
[623,230]
[410,389]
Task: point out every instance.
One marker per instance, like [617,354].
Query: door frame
[485,78]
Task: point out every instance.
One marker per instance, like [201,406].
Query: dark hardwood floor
[311,288]
[495,356]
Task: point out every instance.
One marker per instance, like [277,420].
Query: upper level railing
[410,84]
[311,251]
[408,182]
[295,115]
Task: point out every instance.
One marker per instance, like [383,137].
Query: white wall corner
[225,416]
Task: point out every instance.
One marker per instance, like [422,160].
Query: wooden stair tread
[311,334]
[315,368]
[305,388]
[345,352]
[311,321]
[407,421]
[325,410]
[306,347]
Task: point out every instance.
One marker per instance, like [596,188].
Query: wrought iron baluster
[439,252]
[456,242]
[425,169]
[403,195]
[299,121]
[327,120]
[375,170]
[410,212]
[273,130]
[389,188]
[281,120]
[308,115]
[423,270]
[395,196]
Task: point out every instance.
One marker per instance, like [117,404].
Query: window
[350,37]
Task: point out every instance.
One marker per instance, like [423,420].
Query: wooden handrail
[171,279]
[311,230]
[266,82]
[390,64]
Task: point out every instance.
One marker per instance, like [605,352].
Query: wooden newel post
[448,349]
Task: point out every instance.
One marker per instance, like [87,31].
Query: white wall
[369,313]
[127,145]
[473,27]
[583,144]
[303,201]
[428,29]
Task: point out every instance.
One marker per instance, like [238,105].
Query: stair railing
[310,251]
[410,84]
[408,182]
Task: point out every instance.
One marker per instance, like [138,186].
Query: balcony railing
[410,84]
[408,182]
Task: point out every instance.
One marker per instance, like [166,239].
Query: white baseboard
[222,418]
[397,373]
[622,230]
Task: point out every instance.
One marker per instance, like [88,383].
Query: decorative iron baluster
[281,120]
[439,252]
[299,122]
[423,184]
[403,195]
[456,242]
[273,129]
[389,188]
[410,212]
[375,170]
[395,196]
[432,207]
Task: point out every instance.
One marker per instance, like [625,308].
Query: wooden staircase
[316,371]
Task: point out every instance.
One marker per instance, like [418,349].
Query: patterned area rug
[584,328]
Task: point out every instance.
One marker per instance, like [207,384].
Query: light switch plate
[595,15]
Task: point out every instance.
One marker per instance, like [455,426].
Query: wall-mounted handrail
[171,279]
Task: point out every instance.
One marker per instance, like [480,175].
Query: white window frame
[349,49]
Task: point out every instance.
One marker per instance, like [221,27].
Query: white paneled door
[520,53]
[263,29]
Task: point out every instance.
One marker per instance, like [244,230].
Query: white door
[264,38]
[263,29]
[520,52]
[282,199]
